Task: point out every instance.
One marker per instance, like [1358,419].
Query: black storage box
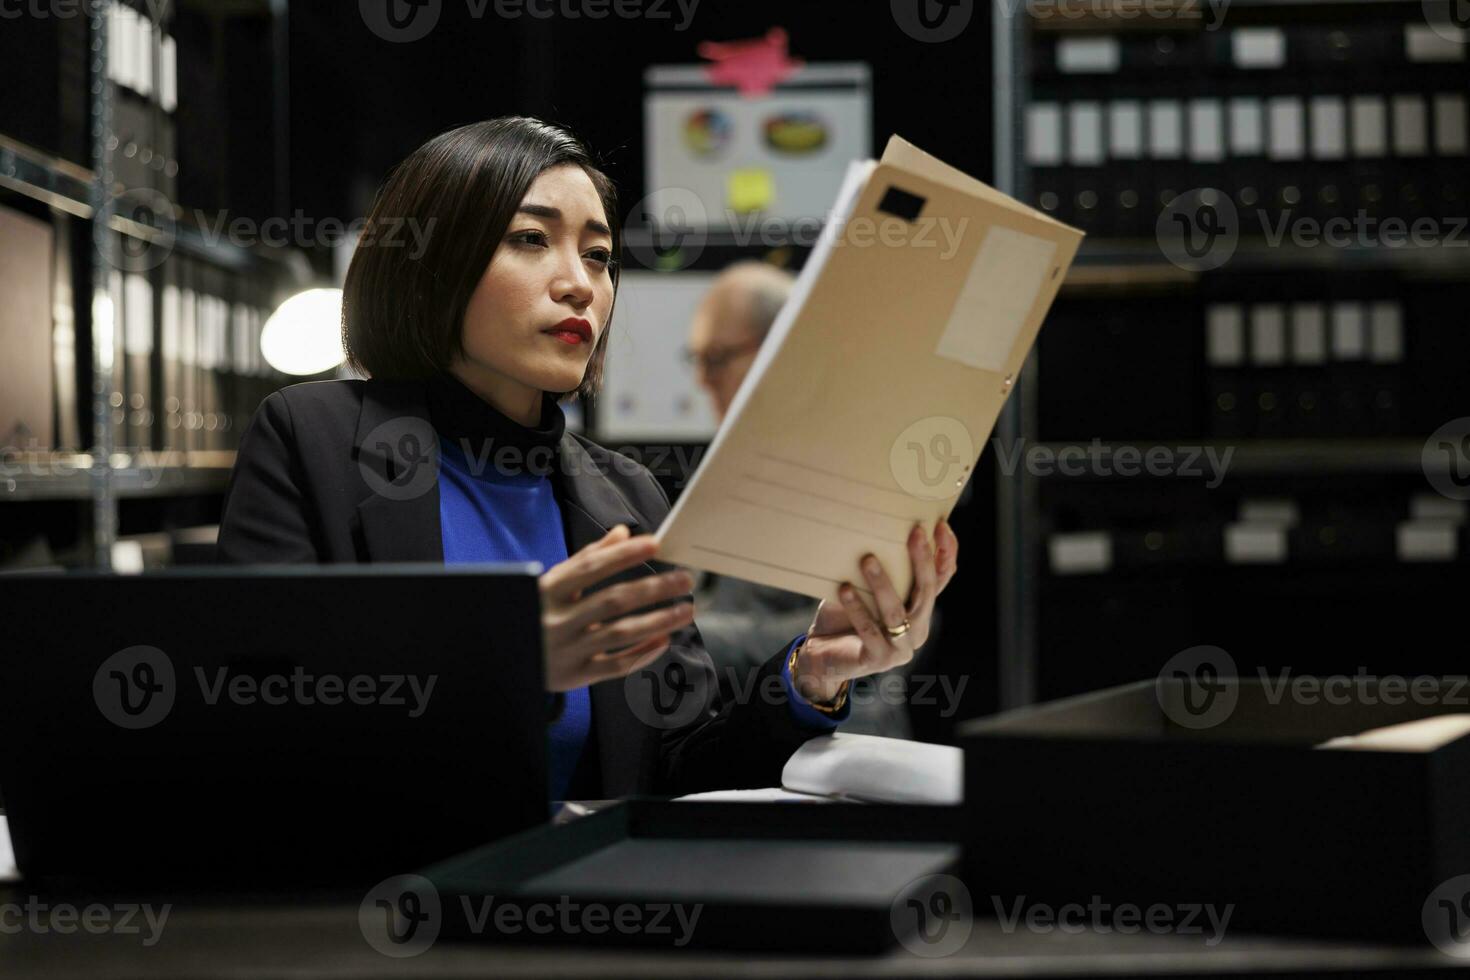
[1109,796]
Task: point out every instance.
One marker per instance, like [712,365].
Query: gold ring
[894,632]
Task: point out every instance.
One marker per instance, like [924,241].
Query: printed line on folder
[785,568]
[814,520]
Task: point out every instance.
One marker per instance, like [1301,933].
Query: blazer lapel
[397,455]
[591,506]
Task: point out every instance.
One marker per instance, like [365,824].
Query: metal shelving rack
[1109,266]
[101,476]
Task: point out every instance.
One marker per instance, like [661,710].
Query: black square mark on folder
[901,203]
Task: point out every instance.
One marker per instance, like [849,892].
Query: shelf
[68,476]
[1250,457]
[65,186]
[1113,263]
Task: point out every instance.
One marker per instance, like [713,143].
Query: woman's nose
[573,282]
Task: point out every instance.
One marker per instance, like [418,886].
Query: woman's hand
[845,642]
[590,639]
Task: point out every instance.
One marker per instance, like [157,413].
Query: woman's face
[551,267]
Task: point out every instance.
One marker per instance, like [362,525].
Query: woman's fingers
[947,552]
[614,601]
[592,564]
[875,641]
[925,586]
[624,663]
[602,637]
[890,607]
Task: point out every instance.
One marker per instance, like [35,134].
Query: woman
[470,345]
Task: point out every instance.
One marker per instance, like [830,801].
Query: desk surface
[203,939]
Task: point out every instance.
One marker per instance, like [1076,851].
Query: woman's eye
[601,256]
[531,237]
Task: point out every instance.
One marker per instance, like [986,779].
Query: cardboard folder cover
[879,383]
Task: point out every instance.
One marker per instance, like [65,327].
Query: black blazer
[299,493]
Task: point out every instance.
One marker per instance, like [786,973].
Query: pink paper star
[754,67]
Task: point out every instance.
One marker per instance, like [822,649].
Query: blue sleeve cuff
[801,708]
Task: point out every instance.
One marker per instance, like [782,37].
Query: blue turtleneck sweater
[491,512]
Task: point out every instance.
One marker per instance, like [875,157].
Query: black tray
[762,875]
[1108,795]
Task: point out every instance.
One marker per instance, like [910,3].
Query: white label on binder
[1287,127]
[1386,333]
[1165,129]
[1329,127]
[1308,333]
[168,340]
[1083,55]
[1370,126]
[1268,334]
[1349,332]
[1044,134]
[1247,132]
[1258,47]
[1255,544]
[1084,121]
[1449,124]
[997,299]
[1426,540]
[1224,335]
[1434,507]
[1424,43]
[1080,552]
[168,68]
[1206,130]
[188,327]
[144,65]
[137,315]
[1125,130]
[1410,126]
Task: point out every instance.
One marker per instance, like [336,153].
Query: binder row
[1317,532]
[1299,370]
[1382,131]
[189,369]
[1263,51]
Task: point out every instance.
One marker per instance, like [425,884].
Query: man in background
[742,622]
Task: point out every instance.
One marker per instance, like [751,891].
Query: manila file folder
[873,395]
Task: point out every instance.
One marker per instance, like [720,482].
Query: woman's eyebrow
[542,211]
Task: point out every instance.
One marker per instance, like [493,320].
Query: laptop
[250,726]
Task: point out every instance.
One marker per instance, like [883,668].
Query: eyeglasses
[716,358]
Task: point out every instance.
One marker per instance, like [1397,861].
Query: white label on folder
[1258,47]
[1268,334]
[1349,332]
[1125,130]
[1084,120]
[1386,333]
[168,340]
[1081,55]
[1308,333]
[188,327]
[1410,126]
[1247,131]
[1224,334]
[1449,124]
[1287,126]
[1206,130]
[1044,134]
[1329,127]
[1165,129]
[997,299]
[1370,126]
